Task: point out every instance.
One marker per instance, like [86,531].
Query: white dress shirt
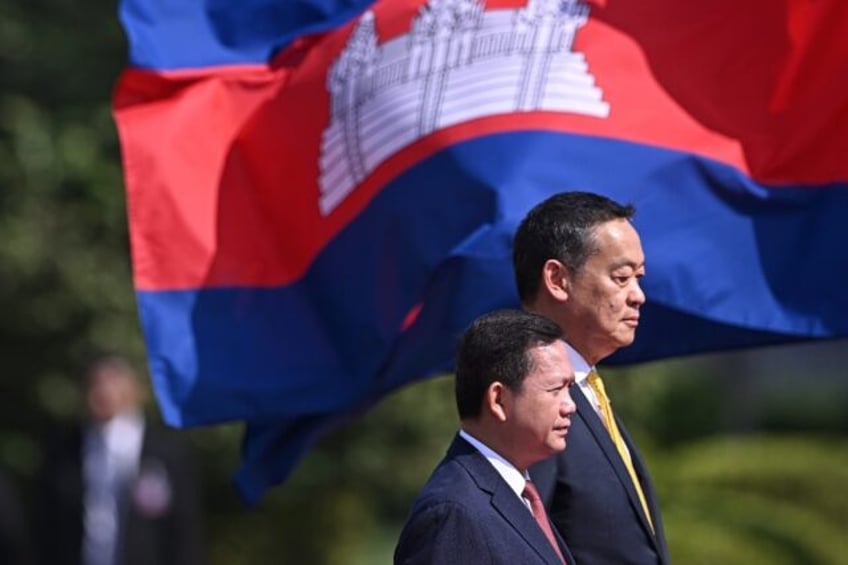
[581,372]
[513,477]
[111,453]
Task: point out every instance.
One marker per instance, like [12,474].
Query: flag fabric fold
[322,193]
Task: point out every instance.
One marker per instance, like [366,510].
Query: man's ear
[496,401]
[555,279]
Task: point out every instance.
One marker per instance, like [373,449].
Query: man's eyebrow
[627,263]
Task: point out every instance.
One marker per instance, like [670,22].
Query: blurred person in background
[117,489]
[578,261]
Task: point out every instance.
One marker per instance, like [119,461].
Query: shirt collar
[119,423]
[581,366]
[513,477]
[121,434]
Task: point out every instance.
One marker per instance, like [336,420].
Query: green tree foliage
[756,500]
[64,268]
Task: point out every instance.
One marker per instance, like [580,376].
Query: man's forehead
[111,374]
[554,352]
[619,245]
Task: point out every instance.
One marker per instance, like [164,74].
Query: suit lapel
[648,490]
[593,422]
[73,474]
[505,501]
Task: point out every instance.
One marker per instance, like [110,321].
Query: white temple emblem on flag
[458,62]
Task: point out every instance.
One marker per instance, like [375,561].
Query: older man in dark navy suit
[512,391]
[578,261]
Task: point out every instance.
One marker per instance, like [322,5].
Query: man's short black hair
[496,347]
[562,228]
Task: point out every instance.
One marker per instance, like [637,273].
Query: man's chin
[558,447]
[627,339]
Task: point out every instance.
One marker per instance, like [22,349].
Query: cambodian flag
[322,193]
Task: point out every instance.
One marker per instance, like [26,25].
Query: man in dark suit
[512,392]
[117,490]
[578,261]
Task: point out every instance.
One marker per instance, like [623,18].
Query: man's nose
[637,295]
[567,407]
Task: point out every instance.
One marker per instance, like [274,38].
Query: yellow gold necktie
[597,385]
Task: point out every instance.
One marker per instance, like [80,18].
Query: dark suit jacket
[467,514]
[591,497]
[161,509]
[14,549]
